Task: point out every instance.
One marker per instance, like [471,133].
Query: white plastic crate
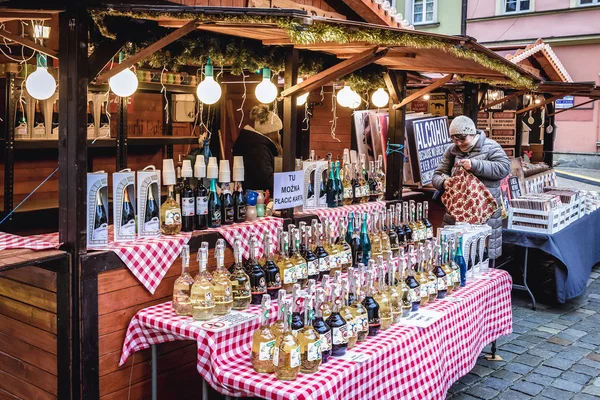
[553,220]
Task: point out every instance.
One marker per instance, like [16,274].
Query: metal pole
[154,372]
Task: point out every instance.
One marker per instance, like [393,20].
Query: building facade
[438,16]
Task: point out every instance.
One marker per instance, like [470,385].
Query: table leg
[525,286]
[494,350]
[154,372]
[204,389]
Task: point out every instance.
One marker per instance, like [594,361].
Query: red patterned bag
[467,199]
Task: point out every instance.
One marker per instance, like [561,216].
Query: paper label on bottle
[456,276]
[326,341]
[324,264]
[333,261]
[340,334]
[365,191]
[216,218]
[295,358]
[276,356]
[432,287]
[266,350]
[152,226]
[100,233]
[429,233]
[352,327]
[414,295]
[289,275]
[424,290]
[313,267]
[129,228]
[229,214]
[441,283]
[363,323]
[449,280]
[172,217]
[302,271]
[348,193]
[202,205]
[347,256]
[208,297]
[359,257]
[241,212]
[314,351]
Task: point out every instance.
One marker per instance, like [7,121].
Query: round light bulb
[537,101]
[392,11]
[209,91]
[386,5]
[40,84]
[355,100]
[426,97]
[344,96]
[404,24]
[380,98]
[123,84]
[266,91]
[301,100]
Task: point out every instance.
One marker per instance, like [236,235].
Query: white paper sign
[422,318]
[288,190]
[355,356]
[234,318]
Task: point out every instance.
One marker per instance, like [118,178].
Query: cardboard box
[97,209]
[313,176]
[124,188]
[148,181]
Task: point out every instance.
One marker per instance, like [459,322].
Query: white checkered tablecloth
[335,214]
[406,362]
[8,241]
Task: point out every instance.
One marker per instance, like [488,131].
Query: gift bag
[467,199]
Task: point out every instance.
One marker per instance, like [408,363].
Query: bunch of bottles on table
[351,183]
[390,273]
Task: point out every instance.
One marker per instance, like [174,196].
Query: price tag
[422,318]
[355,356]
[224,322]
[453,299]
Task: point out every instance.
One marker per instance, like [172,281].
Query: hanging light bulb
[125,83]
[344,96]
[40,84]
[208,91]
[386,5]
[355,100]
[393,12]
[301,100]
[426,97]
[380,98]
[537,100]
[266,91]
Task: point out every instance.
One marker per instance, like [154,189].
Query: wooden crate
[553,220]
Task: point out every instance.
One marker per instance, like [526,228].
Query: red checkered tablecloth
[335,214]
[8,241]
[405,362]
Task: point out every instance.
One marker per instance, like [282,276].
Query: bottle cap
[169,172]
[212,171]
[186,169]
[224,172]
[200,167]
[238,169]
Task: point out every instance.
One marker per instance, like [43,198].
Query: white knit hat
[265,121]
[462,125]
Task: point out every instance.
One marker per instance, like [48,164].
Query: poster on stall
[437,105]
[288,190]
[369,131]
[510,151]
[483,121]
[427,141]
[504,128]
[419,106]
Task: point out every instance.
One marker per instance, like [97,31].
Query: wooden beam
[154,47]
[395,90]
[395,161]
[455,95]
[504,99]
[29,43]
[290,116]
[424,91]
[335,72]
[546,101]
[570,108]
[102,56]
[25,15]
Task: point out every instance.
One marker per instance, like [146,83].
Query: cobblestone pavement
[553,353]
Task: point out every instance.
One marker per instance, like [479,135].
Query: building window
[424,11]
[515,6]
[589,2]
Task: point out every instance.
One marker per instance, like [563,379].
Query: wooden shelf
[37,205]
[160,140]
[110,142]
[53,144]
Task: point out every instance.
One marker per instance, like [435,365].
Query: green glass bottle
[214,207]
[364,241]
[331,187]
[338,186]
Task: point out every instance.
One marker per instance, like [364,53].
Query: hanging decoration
[334,118]
[40,84]
[125,83]
[209,91]
[355,100]
[380,98]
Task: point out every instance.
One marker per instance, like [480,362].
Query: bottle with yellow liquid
[392,234]
[344,249]
[202,295]
[447,268]
[364,179]
[440,274]
[296,258]
[277,326]
[312,260]
[432,288]
[222,285]
[420,224]
[349,314]
[287,356]
[421,276]
[320,252]
[183,285]
[263,341]
[347,185]
[393,294]
[381,296]
[412,223]
[326,304]
[402,285]
[380,178]
[374,236]
[310,340]
[386,245]
[240,281]
[287,269]
[412,283]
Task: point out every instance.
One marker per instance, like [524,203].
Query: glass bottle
[214,209]
[432,289]
[302,245]
[381,180]
[287,356]
[440,274]
[374,236]
[21,121]
[188,200]
[381,296]
[239,204]
[202,294]
[263,341]
[349,314]
[227,206]
[371,305]
[297,322]
[201,193]
[414,288]
[399,228]
[331,187]
[179,181]
[419,223]
[447,268]
[296,258]
[332,249]
[152,216]
[357,187]
[321,327]
[373,194]
[347,186]
[394,296]
[127,215]
[391,232]
[272,274]
[364,179]
[386,245]
[409,234]
[240,281]
[422,275]
[338,185]
[344,250]
[365,243]
[407,301]
[326,305]
[183,285]
[277,326]
[453,265]
[338,325]
[460,261]
[425,219]
[170,214]
[258,281]
[360,312]
[223,291]
[320,252]
[287,270]
[355,244]
[312,260]
[310,340]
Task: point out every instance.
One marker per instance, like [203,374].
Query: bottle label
[326,338]
[340,334]
[172,217]
[375,321]
[324,264]
[429,233]
[333,261]
[456,276]
[216,218]
[441,283]
[289,275]
[414,295]
[424,290]
[314,351]
[359,257]
[241,212]
[129,228]
[276,356]
[266,350]
[152,226]
[313,267]
[348,257]
[295,332]
[261,288]
[229,214]
[275,283]
[432,287]
[365,191]
[363,324]
[295,358]
[352,327]
[302,271]
[100,233]
[202,205]
[449,281]
[348,193]
[208,297]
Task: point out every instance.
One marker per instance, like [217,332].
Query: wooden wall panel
[320,128]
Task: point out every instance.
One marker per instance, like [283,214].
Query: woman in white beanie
[485,159]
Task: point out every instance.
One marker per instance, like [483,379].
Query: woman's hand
[447,184]
[466,164]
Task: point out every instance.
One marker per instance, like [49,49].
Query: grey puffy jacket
[490,164]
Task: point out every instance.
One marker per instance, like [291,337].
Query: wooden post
[122,133]
[471,104]
[396,83]
[549,137]
[519,132]
[72,161]
[290,116]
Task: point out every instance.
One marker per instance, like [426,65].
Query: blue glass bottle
[460,261]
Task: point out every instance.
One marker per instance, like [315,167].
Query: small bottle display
[240,281]
[371,305]
[100,220]
[321,327]
[272,274]
[202,295]
[287,355]
[310,341]
[223,289]
[183,285]
[263,341]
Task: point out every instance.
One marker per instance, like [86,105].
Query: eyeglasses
[458,138]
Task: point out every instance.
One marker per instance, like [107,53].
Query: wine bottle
[422,275]
[344,250]
[310,340]
[331,187]
[222,285]
[188,199]
[214,211]
[287,269]
[263,341]
[272,274]
[55,132]
[373,189]
[356,185]
[20,121]
[100,231]
[151,217]
[239,204]
[287,355]
[406,296]
[394,295]
[363,178]
[348,194]
[399,228]
[365,243]
[408,232]
[414,288]
[453,265]
[420,223]
[460,261]
[321,327]
[447,269]
[258,283]
[179,182]
[202,292]
[338,185]
[323,190]
[432,288]
[201,193]
[127,215]
[371,305]
[170,214]
[356,245]
[227,206]
[91,127]
[240,281]
[392,233]
[182,289]
[104,130]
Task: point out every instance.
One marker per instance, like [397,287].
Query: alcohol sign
[428,139]
[565,102]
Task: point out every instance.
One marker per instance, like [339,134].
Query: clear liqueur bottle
[412,223]
[258,282]
[296,258]
[455,267]
[422,276]
[356,185]
[447,268]
[320,252]
[331,249]
[287,356]
[399,228]
[310,340]
[323,189]
[326,303]
[371,305]
[287,269]
[297,321]
[311,259]
[460,261]
[349,313]
[170,214]
[348,191]
[263,341]
[338,325]
[321,327]
[408,232]
[381,179]
[360,312]
[272,274]
[374,236]
[223,290]
[414,288]
[431,278]
[428,226]
[440,274]
[201,193]
[338,185]
[365,243]
[394,295]
[386,245]
[420,223]
[364,182]
[183,285]
[344,250]
[407,301]
[277,327]
[373,194]
[385,309]
[100,219]
[202,295]
[240,281]
[188,200]
[392,233]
